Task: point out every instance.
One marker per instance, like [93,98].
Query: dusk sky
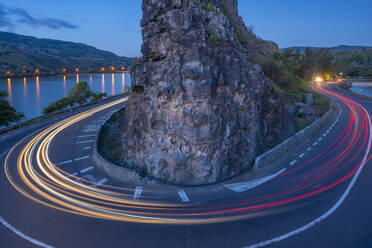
[115,24]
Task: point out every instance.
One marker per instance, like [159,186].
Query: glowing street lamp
[102,69]
[77,70]
[37,71]
[24,71]
[112,68]
[64,70]
[123,68]
[319,80]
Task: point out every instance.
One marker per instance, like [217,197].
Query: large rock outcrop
[201,111]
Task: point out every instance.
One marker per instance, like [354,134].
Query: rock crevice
[204,111]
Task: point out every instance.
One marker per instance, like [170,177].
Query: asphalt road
[54,196]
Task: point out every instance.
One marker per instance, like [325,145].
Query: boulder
[201,111]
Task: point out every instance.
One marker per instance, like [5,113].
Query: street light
[77,70]
[123,68]
[37,71]
[319,80]
[102,69]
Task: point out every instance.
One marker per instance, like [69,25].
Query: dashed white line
[64,162]
[86,169]
[301,155]
[87,148]
[183,195]
[293,162]
[90,130]
[73,174]
[87,136]
[309,149]
[324,134]
[84,142]
[81,158]
[315,144]
[18,232]
[244,186]
[100,182]
[137,192]
[333,208]
[320,139]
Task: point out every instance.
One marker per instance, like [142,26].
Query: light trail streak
[51,186]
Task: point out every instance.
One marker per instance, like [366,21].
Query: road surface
[53,196]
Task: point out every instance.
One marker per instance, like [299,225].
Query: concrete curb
[131,176]
[294,141]
[112,170]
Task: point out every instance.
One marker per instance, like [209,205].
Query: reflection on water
[103,83]
[77,78]
[64,86]
[32,95]
[113,84]
[37,92]
[123,82]
[363,90]
[10,94]
[25,88]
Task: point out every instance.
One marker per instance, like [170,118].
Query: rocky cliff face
[201,111]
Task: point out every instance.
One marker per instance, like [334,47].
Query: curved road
[53,195]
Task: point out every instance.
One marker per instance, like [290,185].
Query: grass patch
[302,123]
[214,39]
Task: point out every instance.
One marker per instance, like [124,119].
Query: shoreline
[18,76]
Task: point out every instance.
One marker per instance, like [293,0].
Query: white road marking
[183,195]
[309,149]
[324,134]
[301,155]
[334,207]
[137,192]
[18,232]
[86,169]
[81,158]
[87,148]
[73,174]
[90,130]
[293,162]
[100,182]
[320,139]
[244,186]
[315,144]
[87,136]
[64,162]
[84,142]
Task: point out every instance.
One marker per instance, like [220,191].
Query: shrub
[214,39]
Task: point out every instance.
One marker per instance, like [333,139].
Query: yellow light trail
[63,193]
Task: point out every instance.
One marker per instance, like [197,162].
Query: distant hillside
[337,48]
[18,53]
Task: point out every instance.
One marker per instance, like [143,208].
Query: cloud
[10,17]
